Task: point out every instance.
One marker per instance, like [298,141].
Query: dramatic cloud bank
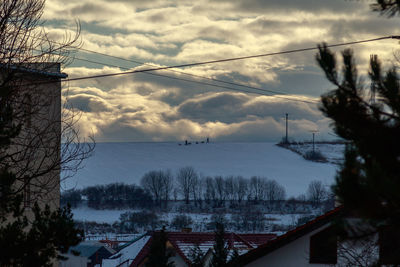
[149,107]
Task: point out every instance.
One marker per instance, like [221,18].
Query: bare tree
[186,179]
[230,189]
[241,188]
[274,191]
[36,142]
[316,192]
[219,184]
[209,191]
[257,188]
[363,252]
[28,59]
[197,190]
[158,184]
[167,180]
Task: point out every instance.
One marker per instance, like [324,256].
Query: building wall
[73,261]
[40,116]
[294,254]
[40,154]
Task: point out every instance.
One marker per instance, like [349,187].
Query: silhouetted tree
[316,192]
[368,181]
[31,154]
[159,184]
[159,255]
[181,221]
[72,197]
[187,180]
[274,191]
[241,188]
[389,8]
[220,249]
[234,256]
[196,256]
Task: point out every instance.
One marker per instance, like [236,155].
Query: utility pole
[313,140]
[286,140]
[373,85]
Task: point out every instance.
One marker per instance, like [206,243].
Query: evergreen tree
[368,182]
[28,243]
[235,256]
[220,252]
[196,256]
[160,254]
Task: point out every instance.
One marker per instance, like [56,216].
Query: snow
[200,219]
[128,162]
[128,253]
[99,216]
[332,152]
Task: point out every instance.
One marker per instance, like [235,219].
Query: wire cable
[269,92]
[208,62]
[228,59]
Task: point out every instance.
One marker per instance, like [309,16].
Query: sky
[147,107]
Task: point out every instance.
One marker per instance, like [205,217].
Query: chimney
[186,230]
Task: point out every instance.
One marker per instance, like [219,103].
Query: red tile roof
[142,254]
[184,242]
[286,238]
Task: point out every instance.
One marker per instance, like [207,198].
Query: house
[182,243]
[36,150]
[294,247]
[32,91]
[316,243]
[87,254]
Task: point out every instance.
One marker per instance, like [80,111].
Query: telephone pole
[313,140]
[286,139]
[373,85]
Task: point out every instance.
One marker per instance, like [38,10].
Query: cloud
[89,103]
[231,107]
[122,116]
[152,107]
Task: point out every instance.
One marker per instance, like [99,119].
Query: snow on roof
[88,248]
[134,253]
[289,236]
[48,69]
[185,242]
[128,253]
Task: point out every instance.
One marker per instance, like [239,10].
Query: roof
[130,252]
[184,242]
[88,248]
[48,69]
[288,237]
[142,253]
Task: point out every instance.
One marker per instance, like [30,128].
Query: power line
[181,72]
[269,92]
[172,70]
[228,59]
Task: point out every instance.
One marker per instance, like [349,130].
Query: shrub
[181,221]
[315,156]
[132,221]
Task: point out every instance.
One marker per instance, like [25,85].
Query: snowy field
[128,162]
[111,216]
[332,152]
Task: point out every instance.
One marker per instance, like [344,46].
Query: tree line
[189,186]
[158,188]
[111,196]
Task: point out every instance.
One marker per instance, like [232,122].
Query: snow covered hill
[127,162]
